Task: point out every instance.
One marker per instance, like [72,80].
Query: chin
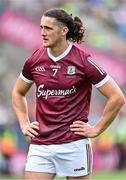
[46,45]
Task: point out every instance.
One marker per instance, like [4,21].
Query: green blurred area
[102,175]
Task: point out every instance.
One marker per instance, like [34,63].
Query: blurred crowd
[105,22]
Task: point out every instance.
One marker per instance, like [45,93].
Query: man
[63,75]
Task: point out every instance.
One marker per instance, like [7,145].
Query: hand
[31,129]
[84,129]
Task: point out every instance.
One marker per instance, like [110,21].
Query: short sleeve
[26,75]
[95,74]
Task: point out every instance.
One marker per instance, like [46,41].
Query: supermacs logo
[41,92]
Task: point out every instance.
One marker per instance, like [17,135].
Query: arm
[20,106]
[115,100]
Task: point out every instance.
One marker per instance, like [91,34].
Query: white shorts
[69,159]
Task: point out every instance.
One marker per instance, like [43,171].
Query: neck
[59,49]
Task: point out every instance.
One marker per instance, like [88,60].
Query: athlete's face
[52,33]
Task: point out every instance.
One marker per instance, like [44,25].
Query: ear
[65,30]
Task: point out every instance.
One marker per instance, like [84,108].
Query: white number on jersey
[55,71]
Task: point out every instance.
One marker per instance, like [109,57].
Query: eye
[45,27]
[48,28]
[41,26]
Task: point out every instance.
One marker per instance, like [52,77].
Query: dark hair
[75,25]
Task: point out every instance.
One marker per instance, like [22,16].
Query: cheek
[54,37]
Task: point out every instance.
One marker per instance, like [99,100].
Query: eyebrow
[45,26]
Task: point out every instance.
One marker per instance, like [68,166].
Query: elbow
[121,100]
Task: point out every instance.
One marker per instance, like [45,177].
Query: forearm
[115,100]
[111,110]
[20,106]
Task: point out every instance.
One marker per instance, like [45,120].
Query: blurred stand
[105,39]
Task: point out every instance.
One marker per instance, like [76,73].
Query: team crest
[71,70]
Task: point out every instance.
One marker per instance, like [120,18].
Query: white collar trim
[61,55]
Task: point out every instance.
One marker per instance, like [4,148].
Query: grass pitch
[109,175]
[100,175]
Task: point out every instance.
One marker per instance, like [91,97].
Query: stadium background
[105,39]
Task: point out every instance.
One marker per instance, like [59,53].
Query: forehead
[48,21]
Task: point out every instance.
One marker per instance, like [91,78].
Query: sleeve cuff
[101,83]
[25,79]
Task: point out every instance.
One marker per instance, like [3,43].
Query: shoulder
[36,55]
[80,52]
[80,55]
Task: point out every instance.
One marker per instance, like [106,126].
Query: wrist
[23,126]
[99,128]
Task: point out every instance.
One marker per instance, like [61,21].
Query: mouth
[45,42]
[45,39]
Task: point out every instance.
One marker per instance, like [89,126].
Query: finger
[34,126]
[32,131]
[36,123]
[30,134]
[80,133]
[77,129]
[74,126]
[79,122]
[77,125]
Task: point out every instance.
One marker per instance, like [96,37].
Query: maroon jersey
[63,91]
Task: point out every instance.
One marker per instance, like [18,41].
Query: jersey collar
[61,55]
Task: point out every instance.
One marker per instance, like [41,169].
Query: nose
[43,32]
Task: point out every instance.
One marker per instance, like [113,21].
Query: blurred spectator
[121,141]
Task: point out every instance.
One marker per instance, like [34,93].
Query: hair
[76,29]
